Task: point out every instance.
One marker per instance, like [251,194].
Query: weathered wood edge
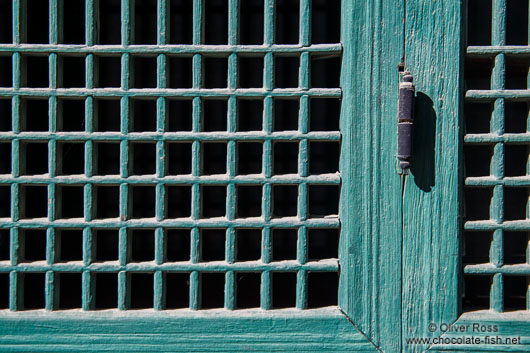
[370,249]
[431,201]
[180,331]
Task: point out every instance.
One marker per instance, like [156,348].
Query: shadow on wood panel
[423,141]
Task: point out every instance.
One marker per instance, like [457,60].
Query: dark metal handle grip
[405,122]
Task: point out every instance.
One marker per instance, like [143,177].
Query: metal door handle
[405,122]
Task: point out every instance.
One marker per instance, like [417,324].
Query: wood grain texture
[431,200]
[215,331]
[370,249]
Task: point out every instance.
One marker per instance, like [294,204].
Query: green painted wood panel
[370,292]
[254,331]
[431,197]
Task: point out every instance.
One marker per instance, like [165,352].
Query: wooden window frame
[400,237]
[214,330]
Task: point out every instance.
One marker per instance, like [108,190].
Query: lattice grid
[184,164]
[497,175]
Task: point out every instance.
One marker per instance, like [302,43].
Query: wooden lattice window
[495,239]
[169,154]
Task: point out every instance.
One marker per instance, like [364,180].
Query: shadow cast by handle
[423,140]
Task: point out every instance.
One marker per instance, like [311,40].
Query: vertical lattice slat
[498,82]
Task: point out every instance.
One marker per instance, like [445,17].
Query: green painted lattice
[496,243]
[69,197]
